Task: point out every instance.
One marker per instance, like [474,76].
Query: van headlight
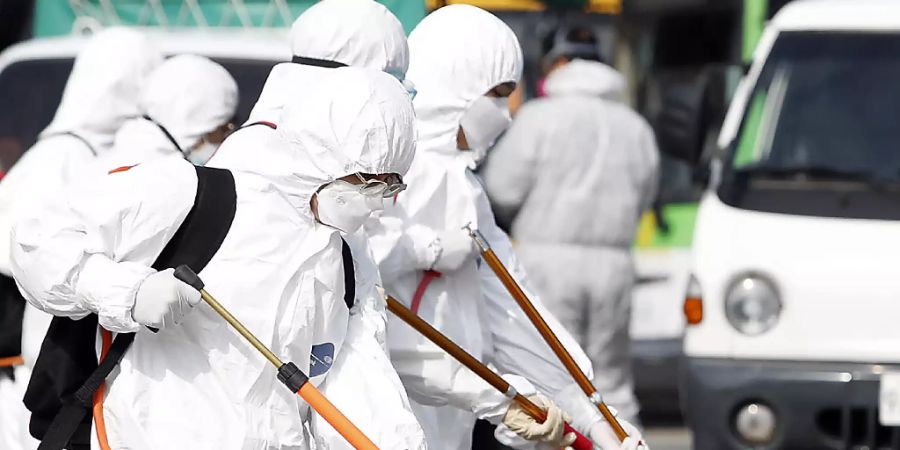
[752,305]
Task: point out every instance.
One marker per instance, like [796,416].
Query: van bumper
[817,405]
[655,365]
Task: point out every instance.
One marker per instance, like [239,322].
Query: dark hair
[571,43]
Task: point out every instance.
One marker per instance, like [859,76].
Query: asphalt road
[668,438]
[659,437]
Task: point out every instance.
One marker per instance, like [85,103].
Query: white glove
[587,419]
[631,443]
[602,435]
[456,247]
[550,432]
[163,300]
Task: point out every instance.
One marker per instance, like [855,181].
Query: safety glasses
[386,189]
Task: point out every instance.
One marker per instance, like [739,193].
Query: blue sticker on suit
[321,359]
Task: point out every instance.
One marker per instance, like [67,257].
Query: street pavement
[668,438]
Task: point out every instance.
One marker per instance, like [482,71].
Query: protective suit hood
[190,96]
[459,53]
[589,78]
[286,81]
[359,33]
[104,86]
[352,121]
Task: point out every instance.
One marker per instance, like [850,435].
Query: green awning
[56,17]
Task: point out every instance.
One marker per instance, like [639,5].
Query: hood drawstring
[168,136]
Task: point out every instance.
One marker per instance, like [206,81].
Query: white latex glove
[602,435]
[631,443]
[550,432]
[163,300]
[587,419]
[457,247]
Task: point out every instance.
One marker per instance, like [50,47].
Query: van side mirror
[681,122]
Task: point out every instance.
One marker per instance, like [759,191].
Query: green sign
[680,218]
[754,24]
[57,17]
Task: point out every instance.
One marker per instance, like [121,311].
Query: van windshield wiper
[819,173]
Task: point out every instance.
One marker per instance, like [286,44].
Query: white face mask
[341,205]
[484,122]
[200,153]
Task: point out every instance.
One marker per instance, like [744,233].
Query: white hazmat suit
[101,93]
[580,183]
[188,96]
[199,384]
[359,33]
[458,54]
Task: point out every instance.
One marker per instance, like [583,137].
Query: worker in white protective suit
[464,63]
[341,146]
[330,34]
[187,105]
[102,92]
[577,186]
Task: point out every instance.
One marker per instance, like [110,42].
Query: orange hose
[99,423]
[11,361]
[333,416]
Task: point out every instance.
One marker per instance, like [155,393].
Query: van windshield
[823,116]
[30,91]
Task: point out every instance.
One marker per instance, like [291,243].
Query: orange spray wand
[288,373]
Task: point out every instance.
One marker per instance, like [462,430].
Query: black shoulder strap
[165,132]
[206,225]
[12,310]
[349,275]
[196,241]
[326,63]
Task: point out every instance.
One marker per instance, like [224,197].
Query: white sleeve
[518,347]
[38,174]
[432,377]
[88,250]
[511,169]
[400,247]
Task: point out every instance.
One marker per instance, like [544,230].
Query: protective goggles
[377,188]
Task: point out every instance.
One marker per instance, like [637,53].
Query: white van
[794,298]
